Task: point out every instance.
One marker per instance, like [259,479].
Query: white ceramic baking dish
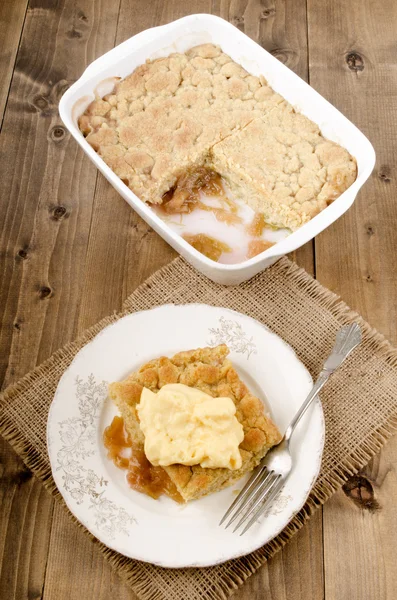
[179,36]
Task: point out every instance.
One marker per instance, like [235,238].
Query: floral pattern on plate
[231,333]
[78,435]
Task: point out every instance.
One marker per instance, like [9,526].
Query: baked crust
[169,112]
[201,108]
[209,370]
[283,167]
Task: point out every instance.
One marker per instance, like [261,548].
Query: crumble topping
[186,111]
[208,370]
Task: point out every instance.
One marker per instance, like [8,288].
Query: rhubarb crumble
[207,370]
[191,120]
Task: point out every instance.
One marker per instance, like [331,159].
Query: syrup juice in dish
[203,211]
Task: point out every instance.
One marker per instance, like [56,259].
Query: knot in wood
[359,489]
[35,595]
[74,33]
[57,133]
[81,16]
[17,477]
[58,212]
[237,21]
[285,55]
[44,292]
[22,253]
[40,102]
[354,61]
[385,173]
[267,13]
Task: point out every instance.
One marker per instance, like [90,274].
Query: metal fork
[270,475]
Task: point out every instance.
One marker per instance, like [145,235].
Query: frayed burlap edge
[237,571]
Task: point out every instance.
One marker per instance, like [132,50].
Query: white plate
[161,531]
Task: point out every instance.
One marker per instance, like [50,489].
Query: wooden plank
[44,229]
[356,256]
[46,201]
[25,522]
[76,569]
[12,15]
[294,573]
[350,56]
[363,566]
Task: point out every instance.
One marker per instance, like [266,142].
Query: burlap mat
[360,402]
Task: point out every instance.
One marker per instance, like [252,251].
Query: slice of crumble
[209,370]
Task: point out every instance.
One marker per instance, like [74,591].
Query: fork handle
[347,339]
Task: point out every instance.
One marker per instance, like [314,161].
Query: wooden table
[71,249]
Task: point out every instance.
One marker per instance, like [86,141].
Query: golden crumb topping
[208,370]
[200,108]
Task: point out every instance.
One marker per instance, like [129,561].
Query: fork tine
[250,483]
[249,494]
[264,506]
[256,478]
[258,499]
